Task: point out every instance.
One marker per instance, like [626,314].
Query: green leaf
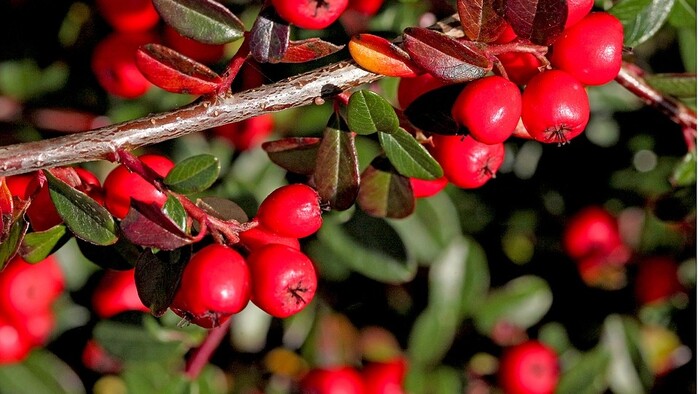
[477,278]
[384,192]
[641,19]
[684,14]
[153,377]
[408,156]
[688,45]
[431,336]
[206,21]
[175,211]
[621,337]
[521,302]
[440,380]
[131,342]
[370,247]
[294,154]
[336,174]
[369,113]
[38,245]
[686,172]
[587,375]
[83,216]
[678,85]
[41,373]
[10,247]
[194,174]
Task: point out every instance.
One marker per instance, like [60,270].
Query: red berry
[291,211]
[591,231]
[520,66]
[367,7]
[427,188]
[27,289]
[129,15]
[249,133]
[41,213]
[657,280]
[259,236]
[577,10]
[284,279]
[466,162]
[529,368]
[201,52]
[36,327]
[489,108]
[14,347]
[332,380]
[384,377]
[411,88]
[114,65]
[215,284]
[90,185]
[116,293]
[555,107]
[310,14]
[590,50]
[97,359]
[121,185]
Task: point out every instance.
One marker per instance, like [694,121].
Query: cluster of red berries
[268,268]
[135,23]
[27,293]
[552,107]
[378,377]
[319,14]
[592,239]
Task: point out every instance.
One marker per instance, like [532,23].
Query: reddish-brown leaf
[308,50]
[174,72]
[294,154]
[445,58]
[540,21]
[479,20]
[269,37]
[148,226]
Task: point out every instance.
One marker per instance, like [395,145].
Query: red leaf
[479,20]
[308,50]
[445,58]
[540,21]
[174,72]
[148,226]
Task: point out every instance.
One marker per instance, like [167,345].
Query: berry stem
[200,356]
[234,66]
[631,77]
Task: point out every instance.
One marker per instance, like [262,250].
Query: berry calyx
[555,107]
[215,284]
[121,185]
[529,368]
[310,14]
[284,279]
[291,211]
[466,162]
[590,50]
[489,108]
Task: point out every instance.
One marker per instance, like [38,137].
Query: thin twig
[200,357]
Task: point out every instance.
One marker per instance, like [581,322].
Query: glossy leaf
[148,226]
[337,174]
[194,174]
[206,21]
[370,247]
[130,342]
[222,208]
[38,245]
[521,302]
[678,85]
[540,21]
[158,277]
[175,211]
[42,372]
[120,256]
[432,111]
[10,246]
[369,113]
[174,72]
[384,192]
[308,50]
[686,172]
[408,156]
[445,58]
[269,37]
[379,55]
[641,19]
[480,21]
[84,217]
[294,154]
